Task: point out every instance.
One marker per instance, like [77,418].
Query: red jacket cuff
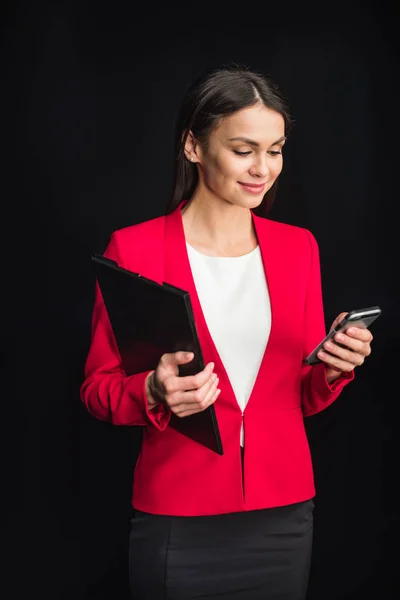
[160,415]
[323,385]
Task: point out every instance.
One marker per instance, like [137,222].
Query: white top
[235,302]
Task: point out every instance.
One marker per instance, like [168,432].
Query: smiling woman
[236,168]
[237,526]
[246,105]
[243,154]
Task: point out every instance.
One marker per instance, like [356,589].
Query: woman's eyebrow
[253,142]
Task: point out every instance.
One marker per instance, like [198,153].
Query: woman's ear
[191,146]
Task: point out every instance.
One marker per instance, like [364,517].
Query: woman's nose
[260,167]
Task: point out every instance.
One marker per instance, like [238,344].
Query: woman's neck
[218,228]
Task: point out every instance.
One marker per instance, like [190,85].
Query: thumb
[182,358]
[338,319]
[176,358]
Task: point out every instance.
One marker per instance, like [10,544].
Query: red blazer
[175,475]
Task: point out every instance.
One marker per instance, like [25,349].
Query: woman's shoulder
[140,232]
[139,247]
[287,231]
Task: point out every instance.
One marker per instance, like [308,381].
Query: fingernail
[211,365]
[351,331]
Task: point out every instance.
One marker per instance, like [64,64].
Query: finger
[206,393]
[198,398]
[354,344]
[194,399]
[335,362]
[360,333]
[173,383]
[355,356]
[177,396]
[194,382]
[189,410]
[345,362]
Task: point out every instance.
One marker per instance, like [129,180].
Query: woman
[237,526]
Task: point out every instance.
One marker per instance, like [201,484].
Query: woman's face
[243,156]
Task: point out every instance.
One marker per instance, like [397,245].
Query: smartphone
[363,317]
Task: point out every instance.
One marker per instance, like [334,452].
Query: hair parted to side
[217,94]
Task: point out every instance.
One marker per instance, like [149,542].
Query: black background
[90,97]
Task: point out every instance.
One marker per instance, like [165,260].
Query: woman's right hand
[184,396]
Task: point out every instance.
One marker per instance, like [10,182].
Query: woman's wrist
[152,402]
[152,393]
[332,375]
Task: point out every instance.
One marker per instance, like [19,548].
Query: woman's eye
[270,152]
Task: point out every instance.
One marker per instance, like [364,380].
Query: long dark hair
[213,96]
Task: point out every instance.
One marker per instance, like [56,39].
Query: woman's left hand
[357,342]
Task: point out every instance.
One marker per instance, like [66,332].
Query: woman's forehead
[256,122]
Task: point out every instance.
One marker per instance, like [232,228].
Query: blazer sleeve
[107,392]
[317,393]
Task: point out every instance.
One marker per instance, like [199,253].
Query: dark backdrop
[89,101]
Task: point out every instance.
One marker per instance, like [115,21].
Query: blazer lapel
[177,272]
[275,274]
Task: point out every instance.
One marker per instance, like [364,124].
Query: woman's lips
[252,188]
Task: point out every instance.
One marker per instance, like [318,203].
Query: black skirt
[256,555]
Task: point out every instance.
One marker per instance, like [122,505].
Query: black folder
[149,320]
